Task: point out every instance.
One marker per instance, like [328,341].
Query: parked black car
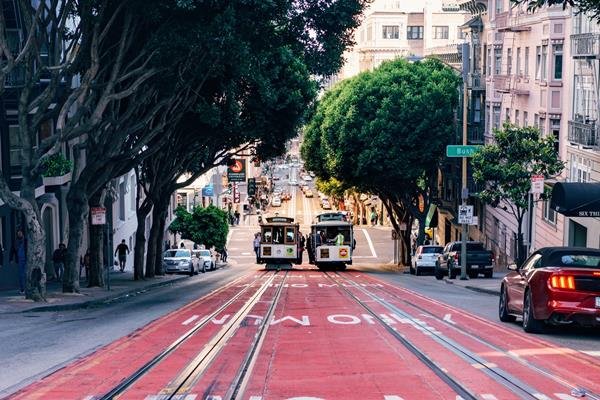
[479,261]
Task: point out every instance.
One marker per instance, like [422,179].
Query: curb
[102,300]
[495,292]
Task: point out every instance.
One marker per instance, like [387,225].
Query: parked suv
[479,261]
[425,258]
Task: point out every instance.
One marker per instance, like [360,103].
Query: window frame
[441,32]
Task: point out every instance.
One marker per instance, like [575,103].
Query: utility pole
[465,190]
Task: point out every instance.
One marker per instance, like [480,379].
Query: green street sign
[461,151]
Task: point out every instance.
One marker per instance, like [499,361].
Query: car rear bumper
[564,312]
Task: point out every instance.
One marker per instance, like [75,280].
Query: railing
[501,20]
[476,81]
[584,133]
[585,45]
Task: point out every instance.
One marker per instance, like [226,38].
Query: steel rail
[144,369]
[452,382]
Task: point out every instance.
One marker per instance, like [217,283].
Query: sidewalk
[483,285]
[121,284]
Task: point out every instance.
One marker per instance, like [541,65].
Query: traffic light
[251,186]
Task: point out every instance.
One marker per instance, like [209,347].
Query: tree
[506,167]
[370,132]
[207,226]
[590,7]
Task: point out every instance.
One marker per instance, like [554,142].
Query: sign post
[98,215]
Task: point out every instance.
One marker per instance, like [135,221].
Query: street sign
[461,151]
[236,193]
[465,215]
[98,215]
[208,191]
[537,184]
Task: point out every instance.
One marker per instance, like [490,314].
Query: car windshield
[432,250]
[177,253]
[475,247]
[575,260]
[204,253]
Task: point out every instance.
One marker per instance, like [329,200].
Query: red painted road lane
[567,365]
[312,350]
[224,368]
[102,370]
[462,370]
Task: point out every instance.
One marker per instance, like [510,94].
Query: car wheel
[439,274]
[530,324]
[411,270]
[203,268]
[503,307]
[417,272]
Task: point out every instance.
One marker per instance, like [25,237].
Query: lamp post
[465,189]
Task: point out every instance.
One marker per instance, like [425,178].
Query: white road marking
[246,253]
[488,396]
[370,243]
[448,318]
[190,320]
[593,353]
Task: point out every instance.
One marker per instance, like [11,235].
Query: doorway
[577,234]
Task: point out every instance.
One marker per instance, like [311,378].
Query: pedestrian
[309,248]
[236,215]
[256,244]
[18,254]
[224,254]
[122,251]
[301,243]
[373,217]
[85,262]
[58,258]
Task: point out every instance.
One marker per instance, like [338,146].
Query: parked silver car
[179,260]
[425,258]
[206,259]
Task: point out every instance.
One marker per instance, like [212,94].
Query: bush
[56,165]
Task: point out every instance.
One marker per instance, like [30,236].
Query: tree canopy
[590,7]
[206,226]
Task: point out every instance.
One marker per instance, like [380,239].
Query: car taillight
[562,282]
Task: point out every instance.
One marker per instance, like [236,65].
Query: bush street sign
[461,151]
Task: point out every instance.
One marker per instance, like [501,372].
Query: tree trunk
[155,245]
[521,252]
[96,239]
[77,203]
[35,288]
[140,240]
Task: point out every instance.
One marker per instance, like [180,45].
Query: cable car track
[148,366]
[501,376]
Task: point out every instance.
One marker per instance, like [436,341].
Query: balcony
[476,82]
[585,45]
[501,83]
[584,133]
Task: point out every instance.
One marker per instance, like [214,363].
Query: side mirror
[513,267]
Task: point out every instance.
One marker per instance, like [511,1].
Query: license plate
[475,266]
[598,302]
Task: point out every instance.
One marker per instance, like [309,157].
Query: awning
[576,199]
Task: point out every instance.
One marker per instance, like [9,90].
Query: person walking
[256,244]
[224,254]
[236,215]
[18,254]
[373,217]
[85,262]
[122,251]
[309,248]
[58,258]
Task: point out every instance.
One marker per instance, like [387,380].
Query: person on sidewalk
[59,257]
[85,262]
[122,251]
[373,217]
[18,254]
[224,254]
[236,215]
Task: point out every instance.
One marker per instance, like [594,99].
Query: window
[525,118]
[538,62]
[507,114]
[16,145]
[557,50]
[518,69]
[414,32]
[517,117]
[460,34]
[555,131]
[496,117]
[581,169]
[369,32]
[391,32]
[544,62]
[526,62]
[536,120]
[499,7]
[497,61]
[489,61]
[508,61]
[549,214]
[440,32]
[122,201]
[542,127]
[289,235]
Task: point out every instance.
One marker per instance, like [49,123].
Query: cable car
[280,245]
[331,241]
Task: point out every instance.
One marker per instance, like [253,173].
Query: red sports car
[556,285]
